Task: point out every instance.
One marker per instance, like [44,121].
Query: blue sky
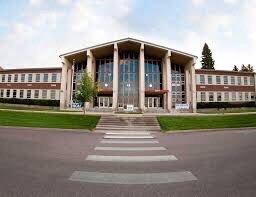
[35,32]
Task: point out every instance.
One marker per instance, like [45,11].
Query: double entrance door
[152,102]
[105,102]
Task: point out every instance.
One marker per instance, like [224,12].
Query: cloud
[231,1]
[64,2]
[35,2]
[198,2]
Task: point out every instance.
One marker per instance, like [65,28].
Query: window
[218,80]
[3,78]
[211,98]
[30,77]
[226,96]
[22,79]
[7,93]
[240,96]
[38,77]
[14,93]
[16,78]
[225,80]
[36,94]
[233,96]
[21,93]
[233,82]
[246,96]
[239,81]
[245,81]
[1,93]
[54,77]
[44,94]
[252,96]
[203,97]
[202,79]
[251,81]
[219,96]
[53,93]
[45,77]
[9,78]
[209,79]
[28,94]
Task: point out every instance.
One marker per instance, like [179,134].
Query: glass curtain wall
[79,69]
[178,85]
[153,81]
[128,84]
[104,78]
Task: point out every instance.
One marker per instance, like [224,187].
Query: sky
[33,33]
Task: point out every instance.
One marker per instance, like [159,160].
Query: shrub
[54,103]
[225,105]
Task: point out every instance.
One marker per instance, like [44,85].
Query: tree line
[208,62]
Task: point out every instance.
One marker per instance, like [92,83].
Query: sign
[181,106]
[130,107]
[76,105]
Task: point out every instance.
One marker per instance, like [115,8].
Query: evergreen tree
[244,68]
[87,90]
[250,68]
[207,60]
[235,68]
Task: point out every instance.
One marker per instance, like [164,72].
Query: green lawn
[169,123]
[47,120]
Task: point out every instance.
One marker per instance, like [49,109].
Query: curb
[206,130]
[47,129]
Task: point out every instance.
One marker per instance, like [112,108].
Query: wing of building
[132,75]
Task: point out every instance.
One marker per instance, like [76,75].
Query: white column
[142,79]
[89,68]
[115,77]
[255,87]
[168,81]
[193,84]
[63,88]
[187,83]
[89,61]
[68,86]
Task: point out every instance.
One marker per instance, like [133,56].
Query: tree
[250,68]
[207,60]
[235,68]
[87,90]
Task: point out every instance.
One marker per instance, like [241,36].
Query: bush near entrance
[225,105]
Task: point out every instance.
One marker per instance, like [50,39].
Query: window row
[31,77]
[225,96]
[29,94]
[225,80]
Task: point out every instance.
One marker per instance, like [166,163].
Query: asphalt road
[40,162]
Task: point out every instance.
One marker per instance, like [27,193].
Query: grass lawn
[47,120]
[169,123]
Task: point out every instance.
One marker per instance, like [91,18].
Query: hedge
[225,105]
[53,103]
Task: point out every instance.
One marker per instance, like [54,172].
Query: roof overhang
[122,42]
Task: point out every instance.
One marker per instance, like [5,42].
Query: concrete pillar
[63,88]
[168,81]
[142,79]
[255,87]
[115,77]
[69,87]
[193,84]
[89,69]
[187,83]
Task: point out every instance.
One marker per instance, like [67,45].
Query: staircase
[121,123]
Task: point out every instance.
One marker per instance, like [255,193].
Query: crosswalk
[131,148]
